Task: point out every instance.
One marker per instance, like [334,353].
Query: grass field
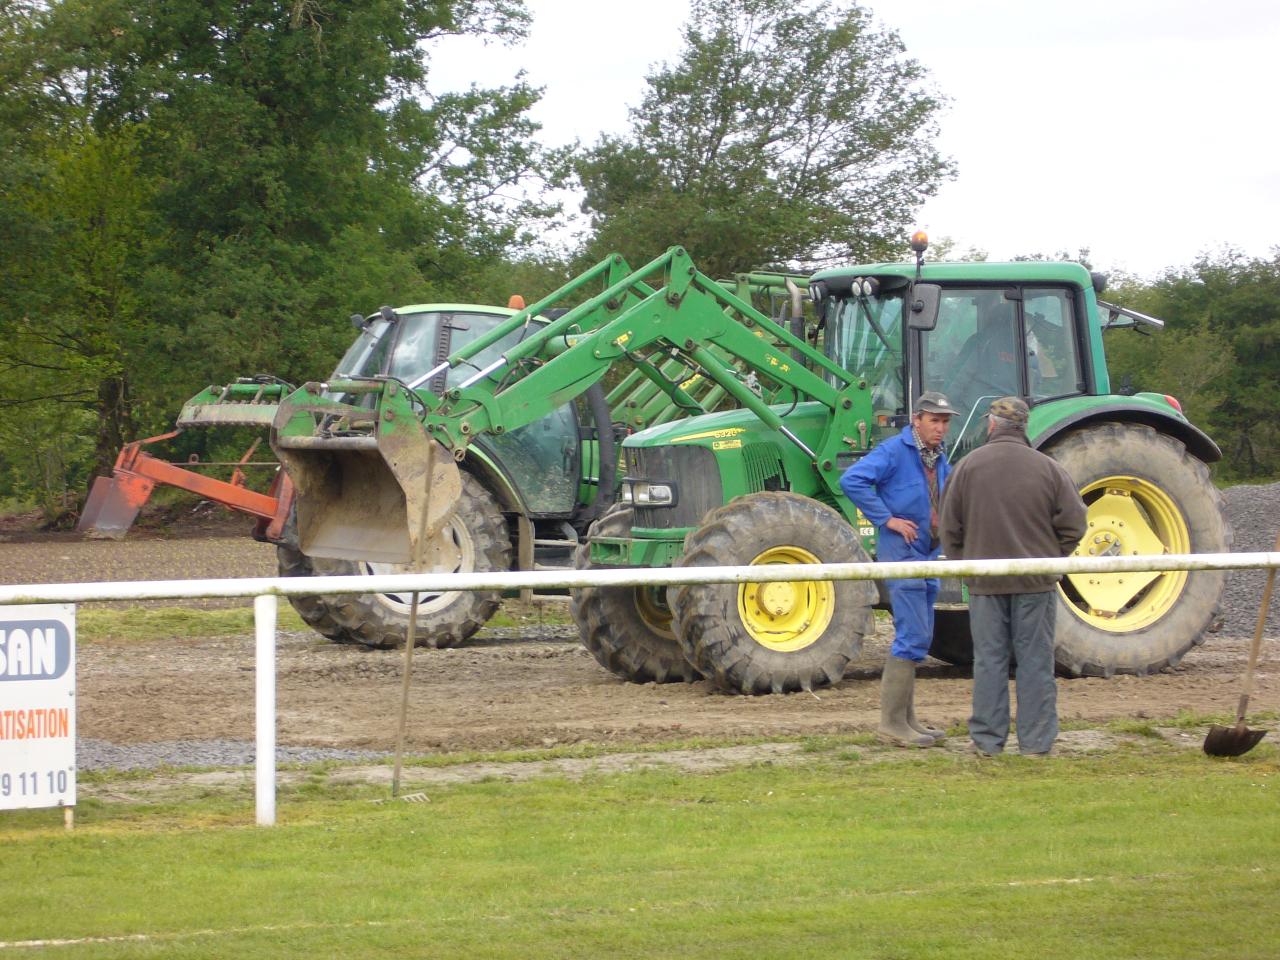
[141,624]
[1145,852]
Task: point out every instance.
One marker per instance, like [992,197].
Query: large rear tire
[627,629]
[773,637]
[479,533]
[952,641]
[1146,495]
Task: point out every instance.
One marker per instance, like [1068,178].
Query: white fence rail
[630,577]
[267,590]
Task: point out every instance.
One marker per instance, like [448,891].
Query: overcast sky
[1143,130]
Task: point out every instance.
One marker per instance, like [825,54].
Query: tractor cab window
[1053,363]
[973,356]
[541,456]
[864,335]
[366,357]
[426,339]
[413,344]
[992,342]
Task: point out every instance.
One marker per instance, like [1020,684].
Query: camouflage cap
[1013,409]
[931,401]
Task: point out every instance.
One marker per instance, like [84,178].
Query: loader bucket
[113,505]
[382,498]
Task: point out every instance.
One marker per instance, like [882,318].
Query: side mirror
[925,298]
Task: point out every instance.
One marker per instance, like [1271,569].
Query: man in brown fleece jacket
[1006,500]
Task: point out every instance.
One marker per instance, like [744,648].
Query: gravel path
[94,754]
[1254,512]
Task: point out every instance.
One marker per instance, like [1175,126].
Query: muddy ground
[509,688]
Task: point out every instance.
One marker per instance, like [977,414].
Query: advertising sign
[37,706]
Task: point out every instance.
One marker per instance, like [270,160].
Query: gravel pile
[1254,512]
[101,755]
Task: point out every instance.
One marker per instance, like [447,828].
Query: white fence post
[265,607]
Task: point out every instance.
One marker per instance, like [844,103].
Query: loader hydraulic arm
[355,446]
[665,310]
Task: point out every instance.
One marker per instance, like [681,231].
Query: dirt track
[536,690]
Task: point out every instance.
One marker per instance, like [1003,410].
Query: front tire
[773,637]
[481,543]
[627,629]
[1146,495]
[315,611]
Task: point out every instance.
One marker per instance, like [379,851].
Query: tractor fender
[1197,442]
[486,468]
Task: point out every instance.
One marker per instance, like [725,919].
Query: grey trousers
[1017,625]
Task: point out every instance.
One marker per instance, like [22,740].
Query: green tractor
[759,483]
[529,491]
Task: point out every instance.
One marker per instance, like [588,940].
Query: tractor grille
[695,474]
[763,467]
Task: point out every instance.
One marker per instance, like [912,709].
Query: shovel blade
[1231,741]
[369,500]
[113,505]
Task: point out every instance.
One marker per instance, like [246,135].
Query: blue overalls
[890,482]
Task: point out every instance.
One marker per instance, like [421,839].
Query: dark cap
[931,401]
[1013,409]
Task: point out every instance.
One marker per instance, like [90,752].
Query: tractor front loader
[527,497]
[759,482]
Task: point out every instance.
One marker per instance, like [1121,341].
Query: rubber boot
[897,688]
[918,725]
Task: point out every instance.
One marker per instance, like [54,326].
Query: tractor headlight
[648,493]
[654,495]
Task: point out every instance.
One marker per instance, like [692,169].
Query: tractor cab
[407,343]
[979,341]
[359,490]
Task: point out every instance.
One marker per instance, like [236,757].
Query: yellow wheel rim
[788,615]
[651,604]
[1127,517]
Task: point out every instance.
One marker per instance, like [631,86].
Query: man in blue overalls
[898,487]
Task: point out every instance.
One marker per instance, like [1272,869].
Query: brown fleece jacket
[1008,501]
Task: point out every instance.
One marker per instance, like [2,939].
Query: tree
[205,188]
[785,133]
[80,325]
[1219,353]
[1235,301]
